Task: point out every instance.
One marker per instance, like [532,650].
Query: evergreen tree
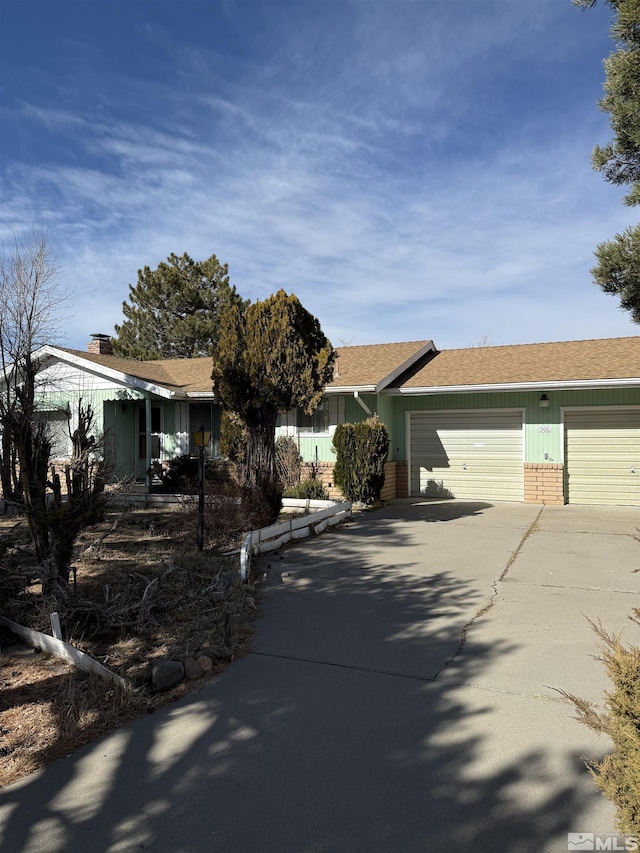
[618,269]
[270,358]
[618,261]
[174,311]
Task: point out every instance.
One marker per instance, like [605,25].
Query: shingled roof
[367,368]
[373,366]
[565,362]
[187,375]
[414,367]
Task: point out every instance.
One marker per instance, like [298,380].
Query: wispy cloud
[372,160]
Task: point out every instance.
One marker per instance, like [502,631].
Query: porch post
[147,408]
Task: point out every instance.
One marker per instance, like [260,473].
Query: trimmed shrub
[307,490]
[288,461]
[179,475]
[618,774]
[361,451]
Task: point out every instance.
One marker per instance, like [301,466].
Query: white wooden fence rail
[275,536]
[58,647]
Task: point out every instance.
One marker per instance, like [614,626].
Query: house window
[329,413]
[317,422]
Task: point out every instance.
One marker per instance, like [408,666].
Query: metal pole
[147,461]
[200,498]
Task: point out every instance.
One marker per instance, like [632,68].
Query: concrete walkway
[399,698]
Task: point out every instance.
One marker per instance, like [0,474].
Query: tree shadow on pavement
[420,509]
[335,735]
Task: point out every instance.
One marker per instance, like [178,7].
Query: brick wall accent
[402,479]
[324,473]
[395,479]
[543,483]
[388,492]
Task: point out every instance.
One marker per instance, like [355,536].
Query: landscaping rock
[205,663]
[216,653]
[165,674]
[192,669]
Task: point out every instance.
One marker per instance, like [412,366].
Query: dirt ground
[190,602]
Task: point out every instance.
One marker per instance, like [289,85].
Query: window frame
[335,406]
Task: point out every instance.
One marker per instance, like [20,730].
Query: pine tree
[618,261]
[174,311]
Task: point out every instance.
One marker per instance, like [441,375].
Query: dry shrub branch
[143,594]
[618,774]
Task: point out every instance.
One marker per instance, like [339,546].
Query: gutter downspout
[362,403]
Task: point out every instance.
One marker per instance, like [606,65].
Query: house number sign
[544,428]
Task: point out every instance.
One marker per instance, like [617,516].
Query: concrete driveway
[399,698]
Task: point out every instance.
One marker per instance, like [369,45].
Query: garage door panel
[622,450]
[467,455]
[602,457]
[467,488]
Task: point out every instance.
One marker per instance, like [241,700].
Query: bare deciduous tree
[32,295]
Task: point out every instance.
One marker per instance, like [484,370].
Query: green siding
[354,413]
[115,412]
[114,418]
[120,425]
[319,446]
[543,426]
[316,448]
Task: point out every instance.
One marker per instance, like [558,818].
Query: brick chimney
[100,345]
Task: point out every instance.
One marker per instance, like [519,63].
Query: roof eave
[557,385]
[349,389]
[109,373]
[428,347]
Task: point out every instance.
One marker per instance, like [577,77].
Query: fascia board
[576,385]
[200,395]
[109,373]
[428,347]
[349,389]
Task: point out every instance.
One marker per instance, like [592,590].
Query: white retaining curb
[275,536]
[38,640]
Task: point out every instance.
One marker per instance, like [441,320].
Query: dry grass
[48,708]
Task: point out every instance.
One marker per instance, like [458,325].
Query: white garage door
[602,457]
[474,455]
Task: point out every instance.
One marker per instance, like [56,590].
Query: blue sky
[409,169]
